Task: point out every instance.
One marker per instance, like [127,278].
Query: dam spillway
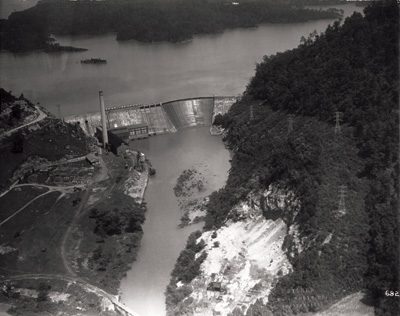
[190,112]
[160,118]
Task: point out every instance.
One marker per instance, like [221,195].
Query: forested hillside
[146,21]
[352,69]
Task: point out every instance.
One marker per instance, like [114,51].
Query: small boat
[94,61]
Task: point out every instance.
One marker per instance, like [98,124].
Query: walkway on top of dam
[160,118]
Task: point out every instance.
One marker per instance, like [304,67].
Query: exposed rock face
[243,257]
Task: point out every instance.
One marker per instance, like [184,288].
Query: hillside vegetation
[14,111]
[85,220]
[352,69]
[145,21]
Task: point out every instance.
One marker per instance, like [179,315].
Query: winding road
[40,117]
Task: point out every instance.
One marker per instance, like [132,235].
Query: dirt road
[40,117]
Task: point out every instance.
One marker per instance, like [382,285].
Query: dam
[160,118]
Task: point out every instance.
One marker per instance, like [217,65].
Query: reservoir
[170,154]
[135,72]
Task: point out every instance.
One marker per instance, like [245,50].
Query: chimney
[103,119]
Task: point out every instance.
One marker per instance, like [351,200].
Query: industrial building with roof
[115,143]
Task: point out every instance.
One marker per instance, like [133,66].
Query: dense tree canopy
[352,68]
[148,21]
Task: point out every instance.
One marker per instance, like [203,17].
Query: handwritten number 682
[391,293]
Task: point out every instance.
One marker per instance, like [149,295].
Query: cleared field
[30,241]
[17,198]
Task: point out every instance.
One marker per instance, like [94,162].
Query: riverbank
[243,259]
[106,238]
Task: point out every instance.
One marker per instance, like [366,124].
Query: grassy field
[17,198]
[35,234]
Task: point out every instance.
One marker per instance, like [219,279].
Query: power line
[290,118]
[251,113]
[337,119]
[342,196]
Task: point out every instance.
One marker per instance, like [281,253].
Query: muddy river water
[170,154]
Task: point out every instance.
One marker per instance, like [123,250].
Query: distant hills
[151,21]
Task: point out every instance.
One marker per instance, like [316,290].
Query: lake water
[170,155]
[148,73]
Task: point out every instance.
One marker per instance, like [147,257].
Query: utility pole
[87,145]
[342,195]
[59,111]
[290,118]
[337,119]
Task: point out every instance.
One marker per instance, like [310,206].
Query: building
[138,131]
[127,133]
[122,132]
[215,286]
[92,159]
[115,143]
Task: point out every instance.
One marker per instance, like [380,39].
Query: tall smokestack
[103,119]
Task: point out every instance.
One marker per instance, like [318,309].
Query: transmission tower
[342,195]
[251,113]
[337,119]
[290,118]
[87,144]
[59,111]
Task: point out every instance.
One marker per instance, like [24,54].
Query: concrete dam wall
[192,112]
[160,118]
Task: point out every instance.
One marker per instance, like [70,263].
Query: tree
[43,290]
[16,111]
[18,144]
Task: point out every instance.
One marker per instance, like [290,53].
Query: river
[219,64]
[170,155]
